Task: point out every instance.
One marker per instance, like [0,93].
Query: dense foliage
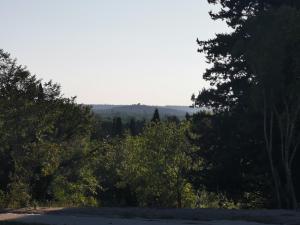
[54,151]
[240,153]
[156,165]
[254,95]
[43,140]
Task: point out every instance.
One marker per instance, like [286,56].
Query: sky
[112,51]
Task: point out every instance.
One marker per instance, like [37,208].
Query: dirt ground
[136,216]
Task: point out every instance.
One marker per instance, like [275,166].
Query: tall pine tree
[156,117]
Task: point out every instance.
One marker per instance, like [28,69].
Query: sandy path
[95,220]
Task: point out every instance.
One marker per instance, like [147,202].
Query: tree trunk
[268,135]
[289,146]
[292,201]
[277,183]
[179,200]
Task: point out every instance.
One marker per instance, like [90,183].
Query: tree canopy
[254,78]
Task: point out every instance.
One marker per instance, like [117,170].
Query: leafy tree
[42,132]
[156,163]
[173,119]
[109,158]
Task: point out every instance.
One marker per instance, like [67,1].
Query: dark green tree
[188,116]
[234,79]
[117,127]
[230,75]
[273,55]
[173,119]
[156,117]
[133,127]
[43,136]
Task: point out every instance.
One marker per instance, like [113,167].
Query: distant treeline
[142,112]
[242,153]
[105,127]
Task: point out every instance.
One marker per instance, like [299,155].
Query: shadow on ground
[140,216]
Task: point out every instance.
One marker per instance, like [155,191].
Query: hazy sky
[112,51]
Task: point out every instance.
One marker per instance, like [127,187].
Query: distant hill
[139,111]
